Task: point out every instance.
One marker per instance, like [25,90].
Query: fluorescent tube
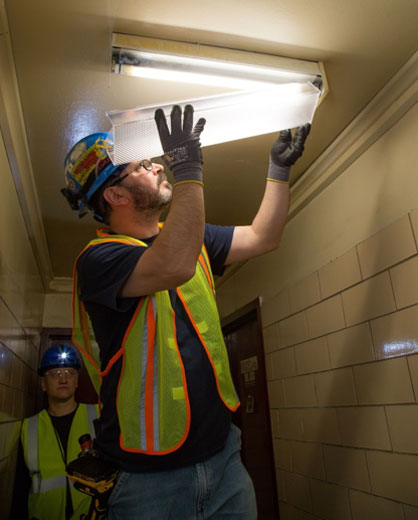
[190,69]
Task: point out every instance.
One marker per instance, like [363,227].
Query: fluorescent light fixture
[273,93]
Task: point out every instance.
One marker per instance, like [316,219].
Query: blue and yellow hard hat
[59,356]
[87,166]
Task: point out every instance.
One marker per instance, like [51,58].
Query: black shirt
[102,270]
[62,427]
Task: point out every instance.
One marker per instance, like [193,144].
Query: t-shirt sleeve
[103,269]
[218,241]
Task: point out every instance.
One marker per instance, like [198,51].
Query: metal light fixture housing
[272,93]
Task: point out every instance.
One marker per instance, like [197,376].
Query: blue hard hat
[58,356]
[87,166]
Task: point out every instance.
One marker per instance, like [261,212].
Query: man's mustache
[161,178]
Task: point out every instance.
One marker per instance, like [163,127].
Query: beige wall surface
[57,310]
[21,309]
[340,314]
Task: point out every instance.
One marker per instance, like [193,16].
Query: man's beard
[151,200]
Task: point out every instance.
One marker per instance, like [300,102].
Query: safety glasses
[58,373]
[146,164]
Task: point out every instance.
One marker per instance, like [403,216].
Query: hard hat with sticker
[86,167]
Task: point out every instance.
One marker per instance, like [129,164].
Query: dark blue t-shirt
[102,271]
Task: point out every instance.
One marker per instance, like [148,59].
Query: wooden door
[244,342]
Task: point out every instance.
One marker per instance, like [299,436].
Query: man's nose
[157,168]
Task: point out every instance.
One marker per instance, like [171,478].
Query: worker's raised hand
[182,153]
[285,151]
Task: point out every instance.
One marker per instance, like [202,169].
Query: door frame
[232,322]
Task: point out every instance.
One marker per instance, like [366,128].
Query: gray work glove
[182,153]
[285,152]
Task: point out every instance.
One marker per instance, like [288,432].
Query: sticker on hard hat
[95,158]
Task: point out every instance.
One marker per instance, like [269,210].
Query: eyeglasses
[58,373]
[146,164]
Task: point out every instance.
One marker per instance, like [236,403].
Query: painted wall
[21,309]
[21,290]
[340,323]
[57,310]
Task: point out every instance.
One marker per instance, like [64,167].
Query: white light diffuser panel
[228,117]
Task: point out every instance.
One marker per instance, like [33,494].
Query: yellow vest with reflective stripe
[41,449]
[152,400]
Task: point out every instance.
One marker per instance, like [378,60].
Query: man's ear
[114,196]
[43,383]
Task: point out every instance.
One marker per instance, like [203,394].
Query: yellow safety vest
[152,401]
[41,449]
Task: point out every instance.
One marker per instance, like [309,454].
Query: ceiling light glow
[182,76]
[180,67]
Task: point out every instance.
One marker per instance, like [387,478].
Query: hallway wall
[340,315]
[21,305]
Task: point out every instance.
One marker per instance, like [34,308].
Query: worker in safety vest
[157,353]
[49,440]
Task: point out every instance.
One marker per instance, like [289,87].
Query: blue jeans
[218,488]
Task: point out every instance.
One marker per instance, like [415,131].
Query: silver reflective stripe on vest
[39,485]
[91,415]
[32,453]
[143,379]
[156,409]
[48,484]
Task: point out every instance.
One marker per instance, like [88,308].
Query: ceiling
[62,53]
